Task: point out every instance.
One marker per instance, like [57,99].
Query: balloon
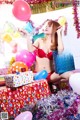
[74,82]
[21,10]
[18,67]
[27,57]
[62,21]
[41,75]
[24,116]
[29,27]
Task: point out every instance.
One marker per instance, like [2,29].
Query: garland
[76,18]
[36,1]
[28,1]
[65,105]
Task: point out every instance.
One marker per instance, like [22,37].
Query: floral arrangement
[76,17]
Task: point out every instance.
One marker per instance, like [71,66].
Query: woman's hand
[60,42]
[59,31]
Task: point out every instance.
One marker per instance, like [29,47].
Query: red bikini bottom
[49,75]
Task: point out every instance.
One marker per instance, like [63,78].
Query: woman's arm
[60,42]
[28,37]
[30,46]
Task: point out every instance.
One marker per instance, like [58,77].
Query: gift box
[14,101]
[17,80]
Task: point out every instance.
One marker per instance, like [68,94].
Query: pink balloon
[21,10]
[27,57]
[24,116]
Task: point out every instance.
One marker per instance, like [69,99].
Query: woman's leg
[55,77]
[65,80]
[54,82]
[66,75]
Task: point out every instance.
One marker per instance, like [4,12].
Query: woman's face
[48,29]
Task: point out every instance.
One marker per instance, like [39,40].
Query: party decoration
[9,27]
[16,34]
[18,67]
[27,115]
[65,29]
[14,46]
[41,35]
[41,75]
[63,62]
[64,105]
[74,82]
[3,71]
[27,57]
[7,37]
[33,29]
[9,32]
[12,60]
[21,10]
[76,17]
[62,20]
[29,27]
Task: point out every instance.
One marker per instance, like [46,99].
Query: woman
[44,48]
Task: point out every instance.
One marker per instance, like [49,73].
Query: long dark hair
[54,39]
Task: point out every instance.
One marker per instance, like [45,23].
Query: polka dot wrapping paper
[15,100]
[16,80]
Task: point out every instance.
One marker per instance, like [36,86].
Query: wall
[71,43]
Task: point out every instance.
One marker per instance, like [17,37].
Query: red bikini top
[40,53]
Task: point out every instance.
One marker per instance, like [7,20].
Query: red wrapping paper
[12,101]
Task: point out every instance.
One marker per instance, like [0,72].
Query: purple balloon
[27,115]
[27,57]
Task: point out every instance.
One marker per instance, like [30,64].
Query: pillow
[63,62]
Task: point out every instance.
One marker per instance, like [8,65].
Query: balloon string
[37,28]
[65,30]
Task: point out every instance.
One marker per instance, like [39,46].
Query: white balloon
[74,82]
[27,115]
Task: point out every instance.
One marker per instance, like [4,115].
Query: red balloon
[21,10]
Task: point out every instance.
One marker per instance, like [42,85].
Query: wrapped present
[16,80]
[14,101]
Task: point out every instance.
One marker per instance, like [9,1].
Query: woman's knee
[66,75]
[55,77]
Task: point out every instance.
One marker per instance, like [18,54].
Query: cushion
[63,62]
